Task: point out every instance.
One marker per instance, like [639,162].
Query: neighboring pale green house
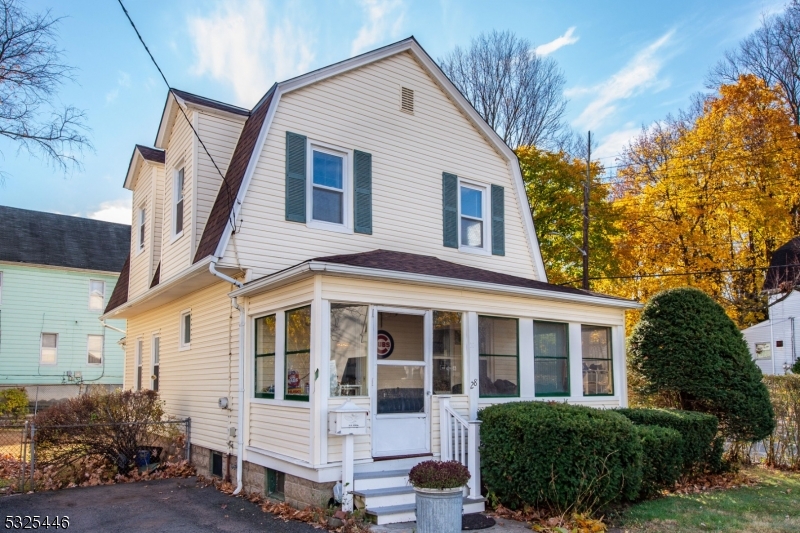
[56,275]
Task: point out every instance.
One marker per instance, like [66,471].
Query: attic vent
[407,100]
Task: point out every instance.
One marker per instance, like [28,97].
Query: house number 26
[473,384]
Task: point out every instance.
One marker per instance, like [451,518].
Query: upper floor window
[472,216]
[94,349]
[48,349]
[140,226]
[177,210]
[329,185]
[186,330]
[97,294]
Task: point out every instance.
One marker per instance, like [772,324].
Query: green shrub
[13,404]
[699,450]
[685,347]
[566,457]
[662,458]
[796,367]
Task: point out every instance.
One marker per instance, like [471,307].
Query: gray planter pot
[439,511]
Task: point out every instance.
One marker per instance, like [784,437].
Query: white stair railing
[460,439]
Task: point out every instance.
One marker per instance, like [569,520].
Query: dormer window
[177,208]
[140,222]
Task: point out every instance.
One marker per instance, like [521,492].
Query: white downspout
[212,268]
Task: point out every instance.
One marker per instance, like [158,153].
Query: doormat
[473,521]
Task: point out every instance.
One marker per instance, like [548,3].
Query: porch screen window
[348,365]
[94,349]
[551,358]
[596,350]
[328,188]
[298,353]
[265,357]
[448,371]
[498,350]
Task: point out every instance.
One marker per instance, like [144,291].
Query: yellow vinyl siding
[281,429]
[219,134]
[157,217]
[360,110]
[175,254]
[192,381]
[141,265]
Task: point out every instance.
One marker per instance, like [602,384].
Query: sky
[626,64]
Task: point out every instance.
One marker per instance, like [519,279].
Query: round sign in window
[385,344]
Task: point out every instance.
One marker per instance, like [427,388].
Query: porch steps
[389,499]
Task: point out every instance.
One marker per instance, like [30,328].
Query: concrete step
[380,480]
[390,496]
[394,514]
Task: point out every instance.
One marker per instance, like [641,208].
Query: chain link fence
[28,452]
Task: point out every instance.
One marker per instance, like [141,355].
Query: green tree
[687,352]
[554,186]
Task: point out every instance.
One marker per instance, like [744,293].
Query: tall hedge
[686,347]
[559,456]
[662,460]
[698,432]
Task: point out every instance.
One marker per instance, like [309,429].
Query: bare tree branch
[516,91]
[30,74]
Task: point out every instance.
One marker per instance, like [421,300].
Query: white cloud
[118,211]
[640,73]
[244,46]
[558,42]
[613,143]
[384,19]
[123,80]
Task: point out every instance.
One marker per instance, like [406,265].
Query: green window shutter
[295,177]
[498,221]
[450,209]
[362,176]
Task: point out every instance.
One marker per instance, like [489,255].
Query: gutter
[426,279]
[212,268]
[112,327]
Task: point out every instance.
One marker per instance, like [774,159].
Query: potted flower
[439,487]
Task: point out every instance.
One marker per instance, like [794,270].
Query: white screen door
[400,353]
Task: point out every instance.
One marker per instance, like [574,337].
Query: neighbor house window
[298,353]
[596,351]
[156,362]
[140,225]
[138,364]
[551,358]
[329,201]
[186,330]
[94,349]
[1,287]
[762,350]
[472,213]
[177,211]
[448,371]
[97,294]
[348,365]
[498,350]
[265,357]
[48,350]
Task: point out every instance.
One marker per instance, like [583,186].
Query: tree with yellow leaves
[712,193]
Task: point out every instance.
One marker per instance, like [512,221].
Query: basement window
[275,484]
[216,464]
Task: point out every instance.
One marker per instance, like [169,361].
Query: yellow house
[370,246]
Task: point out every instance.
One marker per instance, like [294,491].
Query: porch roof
[430,270]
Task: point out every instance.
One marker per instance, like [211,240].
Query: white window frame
[41,348]
[182,329]
[102,349]
[103,295]
[177,234]
[137,368]
[347,187]
[486,209]
[140,228]
[156,339]
[1,287]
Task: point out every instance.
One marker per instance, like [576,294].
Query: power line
[676,274]
[231,218]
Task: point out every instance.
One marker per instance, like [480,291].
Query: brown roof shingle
[120,294]
[229,188]
[208,102]
[155,155]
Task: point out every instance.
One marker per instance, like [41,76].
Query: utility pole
[586,212]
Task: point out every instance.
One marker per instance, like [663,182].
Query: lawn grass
[771,506]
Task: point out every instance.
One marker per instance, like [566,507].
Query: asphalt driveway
[174,505]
